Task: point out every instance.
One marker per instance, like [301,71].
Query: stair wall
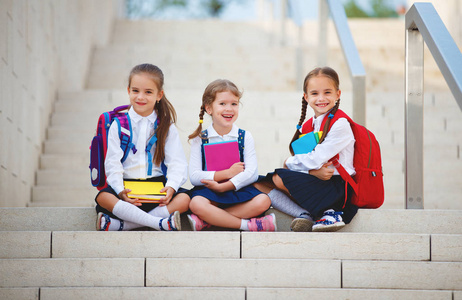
[44,46]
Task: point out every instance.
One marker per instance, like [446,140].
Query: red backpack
[367,183]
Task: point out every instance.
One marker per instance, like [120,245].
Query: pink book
[221,156]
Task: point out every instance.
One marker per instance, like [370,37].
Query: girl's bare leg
[107,200]
[280,184]
[213,215]
[179,203]
[252,208]
[264,187]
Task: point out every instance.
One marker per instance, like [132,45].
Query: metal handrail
[350,52]
[423,24]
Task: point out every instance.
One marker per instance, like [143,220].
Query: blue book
[306,143]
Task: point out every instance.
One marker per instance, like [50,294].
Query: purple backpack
[98,146]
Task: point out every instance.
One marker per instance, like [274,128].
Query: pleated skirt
[230,197]
[316,195]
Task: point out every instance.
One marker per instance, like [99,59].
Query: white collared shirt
[135,165]
[339,140]
[250,174]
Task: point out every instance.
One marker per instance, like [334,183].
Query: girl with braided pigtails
[309,187]
[226,197]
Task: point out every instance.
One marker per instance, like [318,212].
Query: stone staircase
[54,253]
[51,251]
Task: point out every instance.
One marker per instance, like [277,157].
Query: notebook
[306,142]
[221,156]
[145,191]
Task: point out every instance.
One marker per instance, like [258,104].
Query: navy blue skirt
[316,195]
[230,197]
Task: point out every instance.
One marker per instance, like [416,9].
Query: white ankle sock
[244,225]
[160,211]
[131,213]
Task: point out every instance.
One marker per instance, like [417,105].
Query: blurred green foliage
[380,9]
[152,8]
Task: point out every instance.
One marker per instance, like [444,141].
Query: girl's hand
[124,197]
[324,173]
[235,169]
[166,199]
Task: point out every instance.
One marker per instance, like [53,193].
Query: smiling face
[143,93]
[321,94]
[224,111]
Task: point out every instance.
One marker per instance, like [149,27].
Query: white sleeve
[250,174]
[195,164]
[175,160]
[338,138]
[113,166]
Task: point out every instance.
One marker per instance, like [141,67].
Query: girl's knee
[197,204]
[182,200]
[263,202]
[106,200]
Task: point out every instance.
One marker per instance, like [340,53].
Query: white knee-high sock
[160,211]
[131,213]
[282,202]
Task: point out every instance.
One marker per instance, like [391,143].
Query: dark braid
[325,129]
[299,125]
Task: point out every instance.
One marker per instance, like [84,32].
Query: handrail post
[322,38]
[359,98]
[414,94]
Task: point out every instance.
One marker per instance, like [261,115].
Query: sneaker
[104,221]
[102,218]
[266,223]
[197,224]
[172,226]
[331,221]
[301,225]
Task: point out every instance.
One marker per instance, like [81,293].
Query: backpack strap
[149,145]
[205,140]
[125,134]
[240,141]
[308,127]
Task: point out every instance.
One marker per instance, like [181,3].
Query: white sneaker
[331,221]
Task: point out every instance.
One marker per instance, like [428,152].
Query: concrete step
[221,244]
[248,33]
[68,196]
[276,273]
[249,293]
[77,177]
[65,161]
[193,293]
[366,221]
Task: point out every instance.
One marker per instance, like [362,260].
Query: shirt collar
[234,133]
[134,117]
[318,120]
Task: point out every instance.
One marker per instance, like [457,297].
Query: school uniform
[136,164]
[311,193]
[244,191]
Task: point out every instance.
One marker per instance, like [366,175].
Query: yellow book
[145,191]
